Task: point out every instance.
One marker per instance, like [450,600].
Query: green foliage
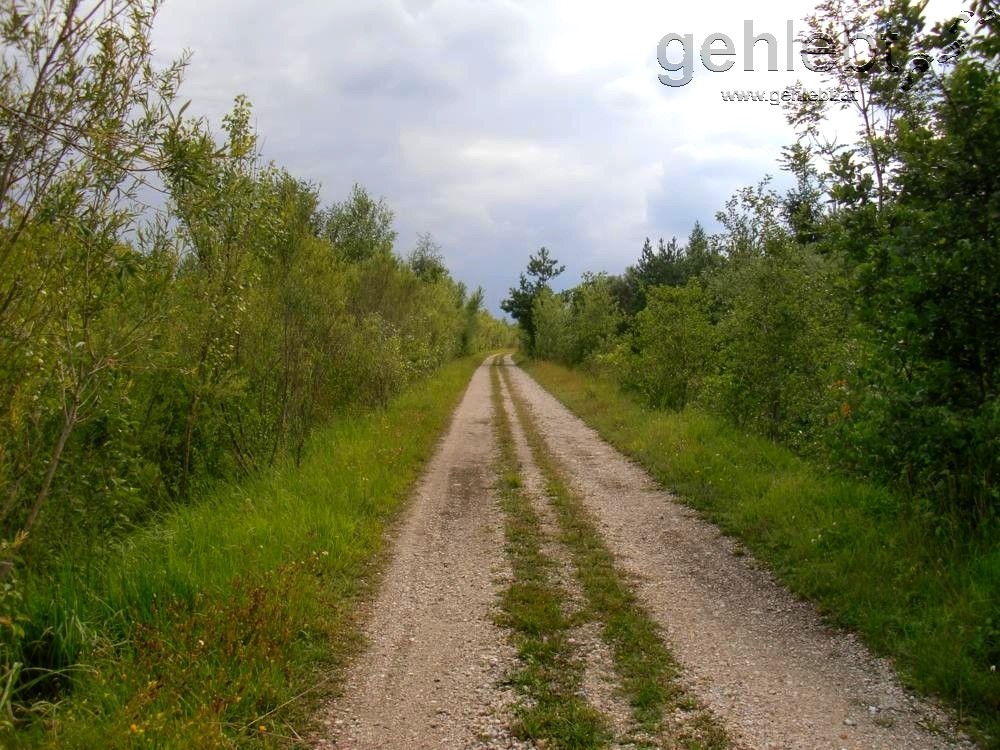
[761,332]
[929,291]
[83,112]
[551,317]
[671,351]
[596,318]
[145,354]
[665,266]
[855,316]
[426,260]
[669,265]
[914,209]
[783,342]
[214,349]
[575,327]
[359,228]
[492,335]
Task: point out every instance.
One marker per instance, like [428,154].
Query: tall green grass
[221,625]
[870,561]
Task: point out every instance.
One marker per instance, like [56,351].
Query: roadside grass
[549,673]
[648,672]
[225,624]
[916,594]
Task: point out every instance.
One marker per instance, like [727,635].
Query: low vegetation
[223,624]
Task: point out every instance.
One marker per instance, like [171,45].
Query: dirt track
[430,676]
[763,662]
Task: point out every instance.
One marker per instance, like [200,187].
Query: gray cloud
[497,125]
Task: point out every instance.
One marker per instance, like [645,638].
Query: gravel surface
[761,660]
[430,676]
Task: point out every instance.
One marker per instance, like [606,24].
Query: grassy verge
[221,626]
[549,674]
[647,670]
[930,602]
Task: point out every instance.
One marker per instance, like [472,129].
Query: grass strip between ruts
[648,671]
[549,672]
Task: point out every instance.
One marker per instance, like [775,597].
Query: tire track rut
[430,677]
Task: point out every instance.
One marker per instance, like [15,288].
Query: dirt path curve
[429,677]
[762,661]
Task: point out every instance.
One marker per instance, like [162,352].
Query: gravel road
[762,661]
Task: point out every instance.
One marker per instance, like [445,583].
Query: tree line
[855,316]
[174,309]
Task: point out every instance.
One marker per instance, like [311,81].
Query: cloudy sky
[496,125]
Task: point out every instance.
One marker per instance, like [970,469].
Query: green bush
[671,352]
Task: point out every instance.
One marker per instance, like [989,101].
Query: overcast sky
[496,125]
